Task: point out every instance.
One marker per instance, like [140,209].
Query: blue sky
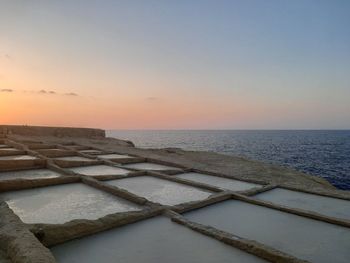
[181,64]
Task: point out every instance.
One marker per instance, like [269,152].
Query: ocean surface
[317,152]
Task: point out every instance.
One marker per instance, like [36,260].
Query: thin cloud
[6,56]
[42,92]
[71,94]
[152,98]
[6,90]
[52,92]
[47,92]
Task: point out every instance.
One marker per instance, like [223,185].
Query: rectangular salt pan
[160,191]
[99,170]
[152,240]
[301,237]
[220,182]
[62,203]
[74,159]
[320,204]
[150,166]
[18,157]
[29,174]
[114,156]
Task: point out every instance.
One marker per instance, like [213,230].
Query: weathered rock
[52,131]
[19,244]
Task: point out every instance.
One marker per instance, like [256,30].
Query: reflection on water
[62,203]
[160,191]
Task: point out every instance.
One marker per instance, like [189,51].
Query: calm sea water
[321,153]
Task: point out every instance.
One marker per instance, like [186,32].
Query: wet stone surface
[90,151]
[74,159]
[62,203]
[18,157]
[28,174]
[6,149]
[149,241]
[160,191]
[52,150]
[220,182]
[114,156]
[320,204]
[301,237]
[150,166]
[99,170]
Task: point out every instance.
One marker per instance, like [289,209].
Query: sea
[323,153]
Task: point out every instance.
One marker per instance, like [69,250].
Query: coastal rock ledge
[53,157]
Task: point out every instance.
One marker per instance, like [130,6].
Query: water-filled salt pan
[74,159]
[321,204]
[18,157]
[62,203]
[99,170]
[29,174]
[302,237]
[114,156]
[220,182]
[149,241]
[150,166]
[160,191]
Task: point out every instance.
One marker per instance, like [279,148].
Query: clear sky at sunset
[179,64]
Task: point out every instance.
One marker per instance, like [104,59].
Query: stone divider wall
[52,131]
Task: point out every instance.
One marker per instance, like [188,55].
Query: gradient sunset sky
[176,64]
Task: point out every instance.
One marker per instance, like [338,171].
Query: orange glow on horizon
[60,110]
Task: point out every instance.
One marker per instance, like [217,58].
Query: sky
[176,64]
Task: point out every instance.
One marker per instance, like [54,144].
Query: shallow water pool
[29,174]
[114,156]
[161,191]
[301,237]
[150,166]
[18,157]
[316,203]
[149,241]
[99,170]
[62,203]
[220,182]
